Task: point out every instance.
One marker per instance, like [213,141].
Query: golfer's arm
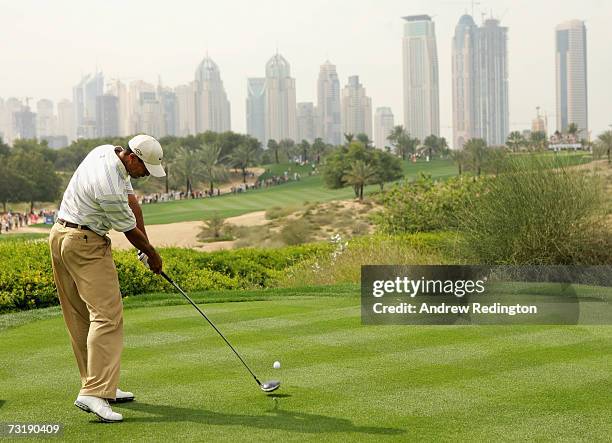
[139,240]
[135,207]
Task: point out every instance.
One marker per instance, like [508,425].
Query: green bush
[539,213]
[26,277]
[425,205]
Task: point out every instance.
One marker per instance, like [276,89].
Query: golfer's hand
[155,262]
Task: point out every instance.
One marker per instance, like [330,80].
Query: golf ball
[276,365]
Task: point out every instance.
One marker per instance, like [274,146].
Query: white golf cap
[150,152]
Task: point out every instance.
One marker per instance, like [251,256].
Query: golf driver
[267,386]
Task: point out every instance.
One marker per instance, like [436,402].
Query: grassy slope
[341,381]
[309,189]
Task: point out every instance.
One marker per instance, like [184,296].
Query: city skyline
[175,64]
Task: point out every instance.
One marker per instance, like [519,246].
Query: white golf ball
[276,365]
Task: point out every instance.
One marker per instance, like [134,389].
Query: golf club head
[270,386]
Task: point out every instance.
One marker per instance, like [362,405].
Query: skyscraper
[185,109]
[169,109]
[84,98]
[493,82]
[383,126]
[480,82]
[328,104]
[118,89]
[571,61]
[466,115]
[107,116]
[306,122]
[356,109]
[45,118]
[256,109]
[280,105]
[212,105]
[65,120]
[420,60]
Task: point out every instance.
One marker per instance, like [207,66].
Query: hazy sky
[47,45]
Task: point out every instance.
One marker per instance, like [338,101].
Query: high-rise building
[7,119]
[24,123]
[466,115]
[493,82]
[256,109]
[280,104]
[151,114]
[45,118]
[540,123]
[65,120]
[571,61]
[84,96]
[480,82]
[139,93]
[328,104]
[185,109]
[107,116]
[169,109]
[212,105]
[118,89]
[306,122]
[383,126]
[420,61]
[356,109]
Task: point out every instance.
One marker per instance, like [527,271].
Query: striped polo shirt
[97,195]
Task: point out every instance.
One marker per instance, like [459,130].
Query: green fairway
[341,381]
[308,189]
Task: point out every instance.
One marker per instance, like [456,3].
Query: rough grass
[340,381]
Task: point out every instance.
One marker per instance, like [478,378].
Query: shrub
[296,232]
[535,214]
[26,277]
[425,205]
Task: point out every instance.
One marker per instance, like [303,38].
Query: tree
[604,143]
[5,150]
[363,138]
[572,129]
[476,149]
[360,175]
[388,167]
[244,156]
[188,166]
[273,146]
[212,168]
[402,141]
[318,148]
[287,146]
[538,141]
[461,157]
[39,181]
[212,228]
[304,147]
[434,145]
[515,141]
[13,185]
[348,137]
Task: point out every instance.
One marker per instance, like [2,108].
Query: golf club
[267,386]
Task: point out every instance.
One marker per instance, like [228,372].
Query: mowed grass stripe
[345,381]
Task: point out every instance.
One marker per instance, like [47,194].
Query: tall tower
[45,118]
[328,104]
[466,118]
[212,105]
[383,126]
[84,96]
[420,60]
[185,109]
[571,61]
[65,119]
[256,109]
[306,122]
[493,82]
[356,109]
[280,105]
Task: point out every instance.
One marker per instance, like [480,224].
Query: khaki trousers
[88,290]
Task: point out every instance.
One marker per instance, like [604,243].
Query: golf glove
[143,258]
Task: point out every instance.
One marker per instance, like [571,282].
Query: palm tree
[537,140]
[515,141]
[434,145]
[363,138]
[461,158]
[243,156]
[348,137]
[318,148]
[572,129]
[188,166]
[360,175]
[604,142]
[213,169]
[273,145]
[403,143]
[476,151]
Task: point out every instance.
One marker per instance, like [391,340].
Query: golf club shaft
[163,274]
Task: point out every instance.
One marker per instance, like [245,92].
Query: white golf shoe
[98,406]
[122,397]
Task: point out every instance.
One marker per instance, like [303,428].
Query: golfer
[100,197]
